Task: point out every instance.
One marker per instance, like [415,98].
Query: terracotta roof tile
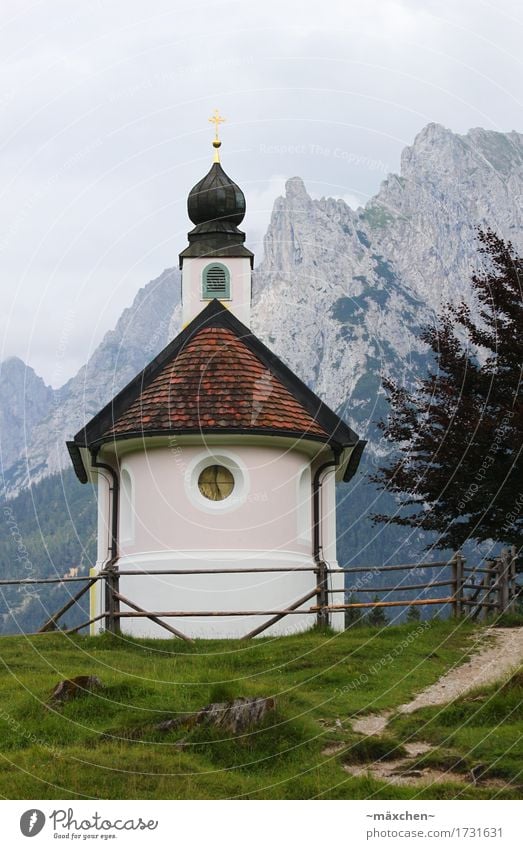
[215,382]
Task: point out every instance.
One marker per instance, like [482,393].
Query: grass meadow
[103,746]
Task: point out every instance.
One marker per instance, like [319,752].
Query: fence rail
[495,591]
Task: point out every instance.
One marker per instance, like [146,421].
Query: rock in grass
[71,688]
[235,716]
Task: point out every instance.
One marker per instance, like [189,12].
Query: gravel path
[503,652]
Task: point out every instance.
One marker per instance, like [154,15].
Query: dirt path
[503,652]
[407,771]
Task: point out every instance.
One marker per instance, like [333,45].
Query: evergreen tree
[47,529]
[413,614]
[354,615]
[460,433]
[376,615]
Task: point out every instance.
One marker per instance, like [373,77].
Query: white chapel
[216,466]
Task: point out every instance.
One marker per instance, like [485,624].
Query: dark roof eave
[76,460]
[215,431]
[208,249]
[354,460]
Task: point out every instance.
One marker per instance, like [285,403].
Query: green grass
[101,745]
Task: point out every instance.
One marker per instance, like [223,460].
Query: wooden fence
[472,591]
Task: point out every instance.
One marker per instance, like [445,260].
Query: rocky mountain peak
[433,134]
[432,146]
[295,190]
[502,151]
[15,374]
[25,400]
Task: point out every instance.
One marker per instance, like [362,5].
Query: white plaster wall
[328,535]
[263,524]
[255,591]
[104,519]
[260,524]
[103,554]
[171,514]
[240,273]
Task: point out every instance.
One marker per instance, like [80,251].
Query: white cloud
[353,201]
[105,106]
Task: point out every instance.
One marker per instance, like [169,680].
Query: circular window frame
[238,471]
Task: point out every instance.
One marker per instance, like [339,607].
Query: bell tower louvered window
[216,282]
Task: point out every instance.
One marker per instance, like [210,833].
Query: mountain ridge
[356,284]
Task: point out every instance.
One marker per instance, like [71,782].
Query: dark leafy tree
[458,470]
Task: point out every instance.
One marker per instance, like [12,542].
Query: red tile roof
[215,382]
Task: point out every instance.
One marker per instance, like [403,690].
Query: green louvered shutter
[216,282]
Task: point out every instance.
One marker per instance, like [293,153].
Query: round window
[216,483]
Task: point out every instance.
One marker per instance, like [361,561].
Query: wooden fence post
[112,603]
[512,578]
[458,576]
[505,568]
[454,586]
[486,596]
[323,614]
[492,584]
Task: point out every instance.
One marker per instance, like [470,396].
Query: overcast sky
[104,109]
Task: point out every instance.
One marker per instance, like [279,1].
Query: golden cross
[216,120]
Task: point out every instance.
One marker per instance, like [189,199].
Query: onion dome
[216,198]
[216,205]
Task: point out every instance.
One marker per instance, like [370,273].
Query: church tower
[216,465]
[216,264]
